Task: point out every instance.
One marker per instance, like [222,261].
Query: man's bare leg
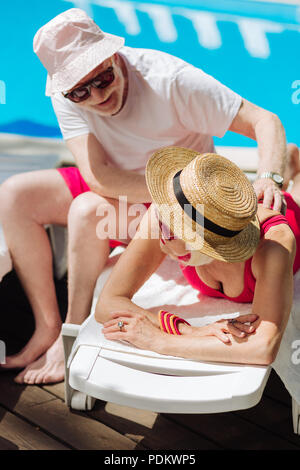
[88,255]
[89,247]
[28,201]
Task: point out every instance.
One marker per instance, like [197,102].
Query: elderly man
[115,106]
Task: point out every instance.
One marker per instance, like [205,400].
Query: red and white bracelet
[169,322]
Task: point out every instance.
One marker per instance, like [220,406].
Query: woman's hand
[223,328]
[137,330]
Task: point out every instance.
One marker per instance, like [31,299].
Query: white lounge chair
[113,371]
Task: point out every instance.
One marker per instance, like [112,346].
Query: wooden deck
[36,418]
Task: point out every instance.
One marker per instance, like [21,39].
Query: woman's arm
[273,269]
[140,259]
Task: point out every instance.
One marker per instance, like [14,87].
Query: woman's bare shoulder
[278,246]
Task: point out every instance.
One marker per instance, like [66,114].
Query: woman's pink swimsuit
[291,218]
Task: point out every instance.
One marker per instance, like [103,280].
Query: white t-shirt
[169,102]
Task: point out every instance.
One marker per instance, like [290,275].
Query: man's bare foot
[293,163]
[42,338]
[49,368]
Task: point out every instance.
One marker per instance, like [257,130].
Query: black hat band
[192,212]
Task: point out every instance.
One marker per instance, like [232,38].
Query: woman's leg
[28,201]
[88,252]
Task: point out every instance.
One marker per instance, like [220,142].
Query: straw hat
[70,46]
[206,200]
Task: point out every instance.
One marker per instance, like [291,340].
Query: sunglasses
[82,93]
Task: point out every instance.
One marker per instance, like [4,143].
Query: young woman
[206,215]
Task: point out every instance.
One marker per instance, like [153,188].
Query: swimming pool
[252,47]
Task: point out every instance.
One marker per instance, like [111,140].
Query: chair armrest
[69,333]
[296,416]
[69,329]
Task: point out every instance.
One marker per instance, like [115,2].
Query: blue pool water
[252,47]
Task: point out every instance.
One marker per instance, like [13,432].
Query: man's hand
[267,189]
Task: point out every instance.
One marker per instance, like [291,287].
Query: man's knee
[11,193]
[85,208]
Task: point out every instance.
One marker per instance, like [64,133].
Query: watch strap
[272,175]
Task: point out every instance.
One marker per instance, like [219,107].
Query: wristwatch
[278,179]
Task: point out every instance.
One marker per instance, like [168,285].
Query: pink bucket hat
[70,46]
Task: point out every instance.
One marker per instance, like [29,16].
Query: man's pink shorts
[77,186]
[74,180]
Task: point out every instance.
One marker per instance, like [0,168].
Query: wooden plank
[19,435]
[5,444]
[274,417]
[269,424]
[233,432]
[276,390]
[58,390]
[51,414]
[271,417]
[160,435]
[148,428]
[142,417]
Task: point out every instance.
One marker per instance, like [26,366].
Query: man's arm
[266,128]
[102,178]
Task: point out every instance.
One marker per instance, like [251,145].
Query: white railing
[254,32]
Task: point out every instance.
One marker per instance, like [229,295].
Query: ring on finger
[120,324]
[232,321]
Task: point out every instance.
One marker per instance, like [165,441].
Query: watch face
[278,179]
